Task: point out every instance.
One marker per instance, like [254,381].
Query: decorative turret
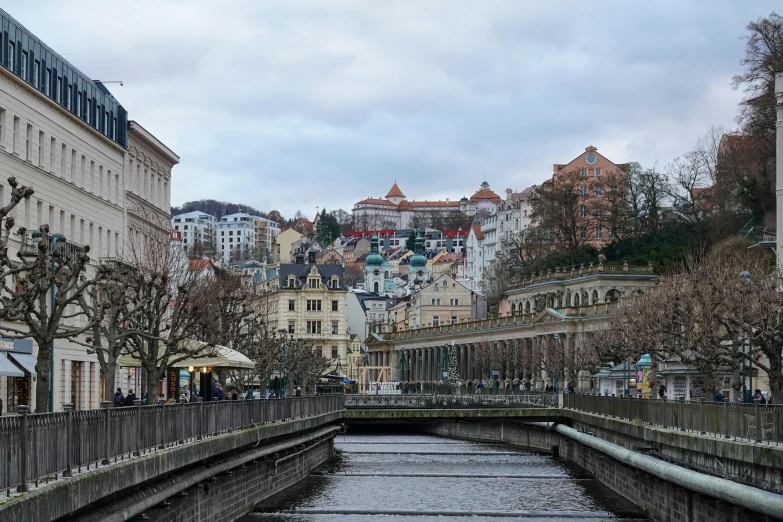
[418,260]
[374,259]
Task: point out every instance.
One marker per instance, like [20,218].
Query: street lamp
[555,376]
[56,238]
[403,366]
[747,362]
[495,373]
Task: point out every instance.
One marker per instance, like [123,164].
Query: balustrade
[37,447]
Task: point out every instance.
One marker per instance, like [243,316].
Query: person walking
[717,396]
[662,391]
[130,398]
[758,398]
[298,391]
[217,392]
[119,399]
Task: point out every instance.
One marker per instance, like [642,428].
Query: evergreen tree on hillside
[327,229]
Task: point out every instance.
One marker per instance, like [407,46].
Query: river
[425,478]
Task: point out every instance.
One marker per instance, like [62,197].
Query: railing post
[701,419]
[679,417]
[159,417]
[200,418]
[182,420]
[106,405]
[663,414]
[68,409]
[758,423]
[139,442]
[726,419]
[24,411]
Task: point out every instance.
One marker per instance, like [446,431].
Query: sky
[298,104]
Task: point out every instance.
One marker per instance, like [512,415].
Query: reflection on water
[426,478]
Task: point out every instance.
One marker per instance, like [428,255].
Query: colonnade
[542,360]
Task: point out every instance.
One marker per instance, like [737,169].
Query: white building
[97,177]
[246,236]
[395,211]
[474,257]
[197,228]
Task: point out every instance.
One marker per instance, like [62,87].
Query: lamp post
[555,376]
[747,361]
[444,364]
[495,373]
[56,238]
[403,366]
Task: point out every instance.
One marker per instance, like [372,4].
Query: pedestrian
[758,398]
[717,396]
[234,395]
[217,392]
[119,399]
[130,398]
[298,391]
[662,391]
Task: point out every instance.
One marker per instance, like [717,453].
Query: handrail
[36,446]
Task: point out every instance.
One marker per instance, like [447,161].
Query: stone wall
[230,496]
[661,500]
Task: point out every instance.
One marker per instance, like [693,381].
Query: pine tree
[453,366]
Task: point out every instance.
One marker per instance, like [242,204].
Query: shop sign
[16,345]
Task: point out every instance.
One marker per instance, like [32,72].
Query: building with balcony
[198,230]
[309,303]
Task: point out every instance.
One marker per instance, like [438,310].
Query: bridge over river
[220,460]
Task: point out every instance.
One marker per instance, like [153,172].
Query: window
[335,327]
[597,172]
[584,173]
[291,327]
[314,305]
[583,211]
[313,327]
[11,56]
[334,352]
[599,232]
[291,305]
[106,122]
[453,319]
[435,320]
[315,283]
[334,306]
[453,302]
[435,302]
[599,190]
[41,138]
[28,149]
[114,130]
[23,70]
[48,81]
[68,97]
[59,92]
[583,190]
[3,127]
[78,103]
[15,141]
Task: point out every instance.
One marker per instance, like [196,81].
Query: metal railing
[537,400]
[754,422]
[40,447]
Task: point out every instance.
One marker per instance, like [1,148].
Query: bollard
[24,411]
[137,404]
[182,420]
[106,405]
[68,409]
[758,423]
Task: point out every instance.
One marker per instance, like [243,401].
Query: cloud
[295,104]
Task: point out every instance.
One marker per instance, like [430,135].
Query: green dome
[374,260]
[418,260]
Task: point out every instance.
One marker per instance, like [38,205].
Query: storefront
[17,368]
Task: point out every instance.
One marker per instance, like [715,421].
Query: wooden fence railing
[40,447]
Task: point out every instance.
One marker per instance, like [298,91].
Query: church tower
[374,277]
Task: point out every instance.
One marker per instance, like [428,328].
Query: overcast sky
[295,104]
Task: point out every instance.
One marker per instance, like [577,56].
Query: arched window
[576,300]
[376,287]
[513,308]
[527,307]
[612,295]
[386,275]
[595,296]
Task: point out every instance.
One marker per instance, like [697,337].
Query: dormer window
[291,282]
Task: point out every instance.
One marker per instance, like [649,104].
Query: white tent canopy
[209,356]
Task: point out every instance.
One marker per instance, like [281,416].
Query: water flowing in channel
[425,478]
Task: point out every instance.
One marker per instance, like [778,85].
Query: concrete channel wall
[662,500]
[125,489]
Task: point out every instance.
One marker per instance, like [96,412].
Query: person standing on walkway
[717,396]
[119,399]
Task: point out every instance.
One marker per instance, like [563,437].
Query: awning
[26,360]
[214,357]
[8,369]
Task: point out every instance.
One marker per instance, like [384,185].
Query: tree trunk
[152,379]
[42,381]
[775,380]
[109,379]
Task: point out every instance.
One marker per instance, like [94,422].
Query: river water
[424,478]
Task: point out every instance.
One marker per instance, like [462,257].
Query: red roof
[425,204]
[197,265]
[395,192]
[449,258]
[377,201]
[478,232]
[484,194]
[456,233]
